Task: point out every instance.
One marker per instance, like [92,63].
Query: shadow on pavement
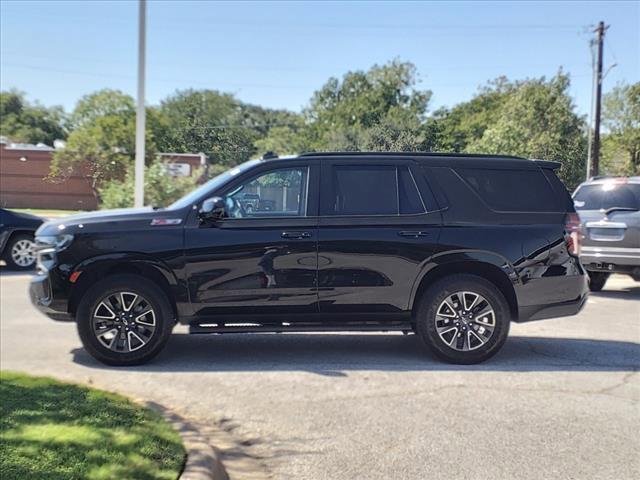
[333,355]
[626,293]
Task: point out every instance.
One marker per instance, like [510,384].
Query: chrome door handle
[296,235]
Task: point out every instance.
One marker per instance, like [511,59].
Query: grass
[57,431]
[44,212]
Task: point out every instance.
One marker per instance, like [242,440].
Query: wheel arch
[12,233]
[488,270]
[102,267]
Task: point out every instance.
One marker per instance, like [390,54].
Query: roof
[408,154]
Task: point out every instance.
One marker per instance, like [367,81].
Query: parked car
[609,208]
[451,247]
[16,239]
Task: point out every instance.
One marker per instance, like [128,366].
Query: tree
[621,117]
[161,189]
[210,122]
[456,128]
[102,145]
[375,109]
[21,121]
[538,120]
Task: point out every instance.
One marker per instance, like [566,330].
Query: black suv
[451,247]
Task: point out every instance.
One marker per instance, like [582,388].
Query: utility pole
[140,112]
[595,144]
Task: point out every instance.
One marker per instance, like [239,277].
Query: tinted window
[512,190]
[607,195]
[364,190]
[410,202]
[281,192]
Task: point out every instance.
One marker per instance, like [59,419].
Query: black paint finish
[321,269]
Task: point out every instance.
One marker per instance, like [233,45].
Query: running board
[300,327]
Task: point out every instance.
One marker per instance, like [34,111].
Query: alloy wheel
[23,253]
[465,321]
[124,322]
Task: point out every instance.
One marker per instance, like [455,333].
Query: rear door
[375,233]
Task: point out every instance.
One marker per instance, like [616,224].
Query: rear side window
[608,195]
[512,190]
[372,190]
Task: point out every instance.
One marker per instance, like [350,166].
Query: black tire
[597,280]
[15,241]
[427,320]
[153,297]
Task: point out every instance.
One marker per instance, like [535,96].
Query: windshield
[211,185]
[608,195]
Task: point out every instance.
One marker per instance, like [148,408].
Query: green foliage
[102,145]
[372,110]
[60,431]
[160,188]
[210,122]
[539,121]
[21,121]
[621,117]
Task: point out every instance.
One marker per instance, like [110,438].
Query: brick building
[25,167]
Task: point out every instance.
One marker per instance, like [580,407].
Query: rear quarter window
[512,190]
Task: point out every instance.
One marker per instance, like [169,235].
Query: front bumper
[41,292]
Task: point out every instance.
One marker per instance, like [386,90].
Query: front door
[262,257]
[376,233]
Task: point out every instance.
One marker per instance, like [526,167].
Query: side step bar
[300,327]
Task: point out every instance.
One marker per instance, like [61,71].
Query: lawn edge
[203,461]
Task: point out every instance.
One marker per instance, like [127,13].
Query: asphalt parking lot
[562,400]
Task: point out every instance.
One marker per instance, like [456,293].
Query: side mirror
[212,209]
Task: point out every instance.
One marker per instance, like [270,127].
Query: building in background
[24,169]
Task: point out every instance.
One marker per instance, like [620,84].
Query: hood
[112,220]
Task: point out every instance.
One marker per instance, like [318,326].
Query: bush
[161,189]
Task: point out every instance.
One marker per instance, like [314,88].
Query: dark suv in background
[609,208]
[452,247]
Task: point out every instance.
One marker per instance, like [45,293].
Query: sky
[276,54]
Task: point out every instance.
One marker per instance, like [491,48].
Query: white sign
[178,169]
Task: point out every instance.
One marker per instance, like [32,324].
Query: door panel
[369,262]
[262,258]
[371,268]
[240,264]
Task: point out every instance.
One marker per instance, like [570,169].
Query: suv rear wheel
[464,319]
[124,320]
[597,280]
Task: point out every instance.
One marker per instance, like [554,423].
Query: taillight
[573,233]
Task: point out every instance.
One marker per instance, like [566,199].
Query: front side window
[372,190]
[279,193]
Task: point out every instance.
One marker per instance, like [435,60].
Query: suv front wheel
[464,319]
[124,320]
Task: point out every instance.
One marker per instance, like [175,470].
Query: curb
[203,462]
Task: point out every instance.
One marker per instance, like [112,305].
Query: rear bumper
[563,309]
[559,291]
[611,259]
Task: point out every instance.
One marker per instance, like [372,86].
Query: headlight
[46,249]
[57,242]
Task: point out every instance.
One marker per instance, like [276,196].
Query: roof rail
[408,154]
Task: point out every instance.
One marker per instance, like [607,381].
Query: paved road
[562,400]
